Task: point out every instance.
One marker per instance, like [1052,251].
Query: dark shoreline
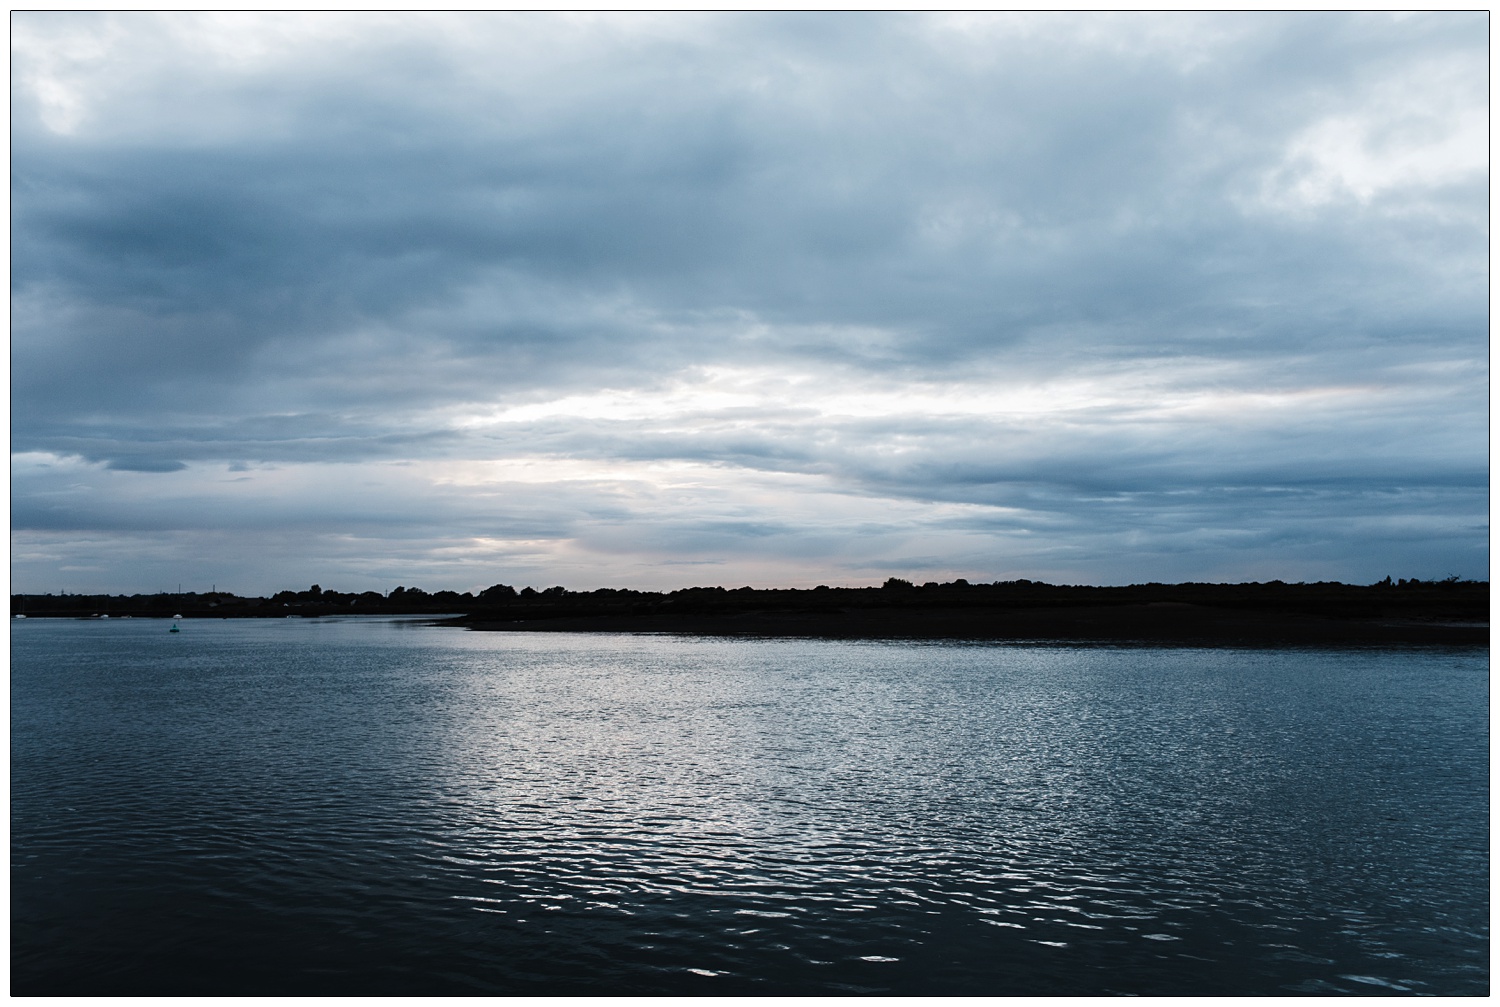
[1448,612]
[1161,623]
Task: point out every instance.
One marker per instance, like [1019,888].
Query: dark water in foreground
[374,807]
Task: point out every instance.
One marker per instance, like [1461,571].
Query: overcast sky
[777,299]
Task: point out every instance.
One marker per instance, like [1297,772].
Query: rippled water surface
[381,807]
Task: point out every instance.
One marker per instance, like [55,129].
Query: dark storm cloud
[311,240]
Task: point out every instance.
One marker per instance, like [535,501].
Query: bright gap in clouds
[1205,388]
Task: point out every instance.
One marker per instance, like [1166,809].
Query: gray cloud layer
[769,298]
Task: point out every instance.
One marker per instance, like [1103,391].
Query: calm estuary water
[356,806]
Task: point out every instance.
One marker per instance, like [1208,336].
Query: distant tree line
[1450,598]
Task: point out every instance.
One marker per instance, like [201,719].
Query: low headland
[1450,611]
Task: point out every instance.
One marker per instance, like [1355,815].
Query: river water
[378,806]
